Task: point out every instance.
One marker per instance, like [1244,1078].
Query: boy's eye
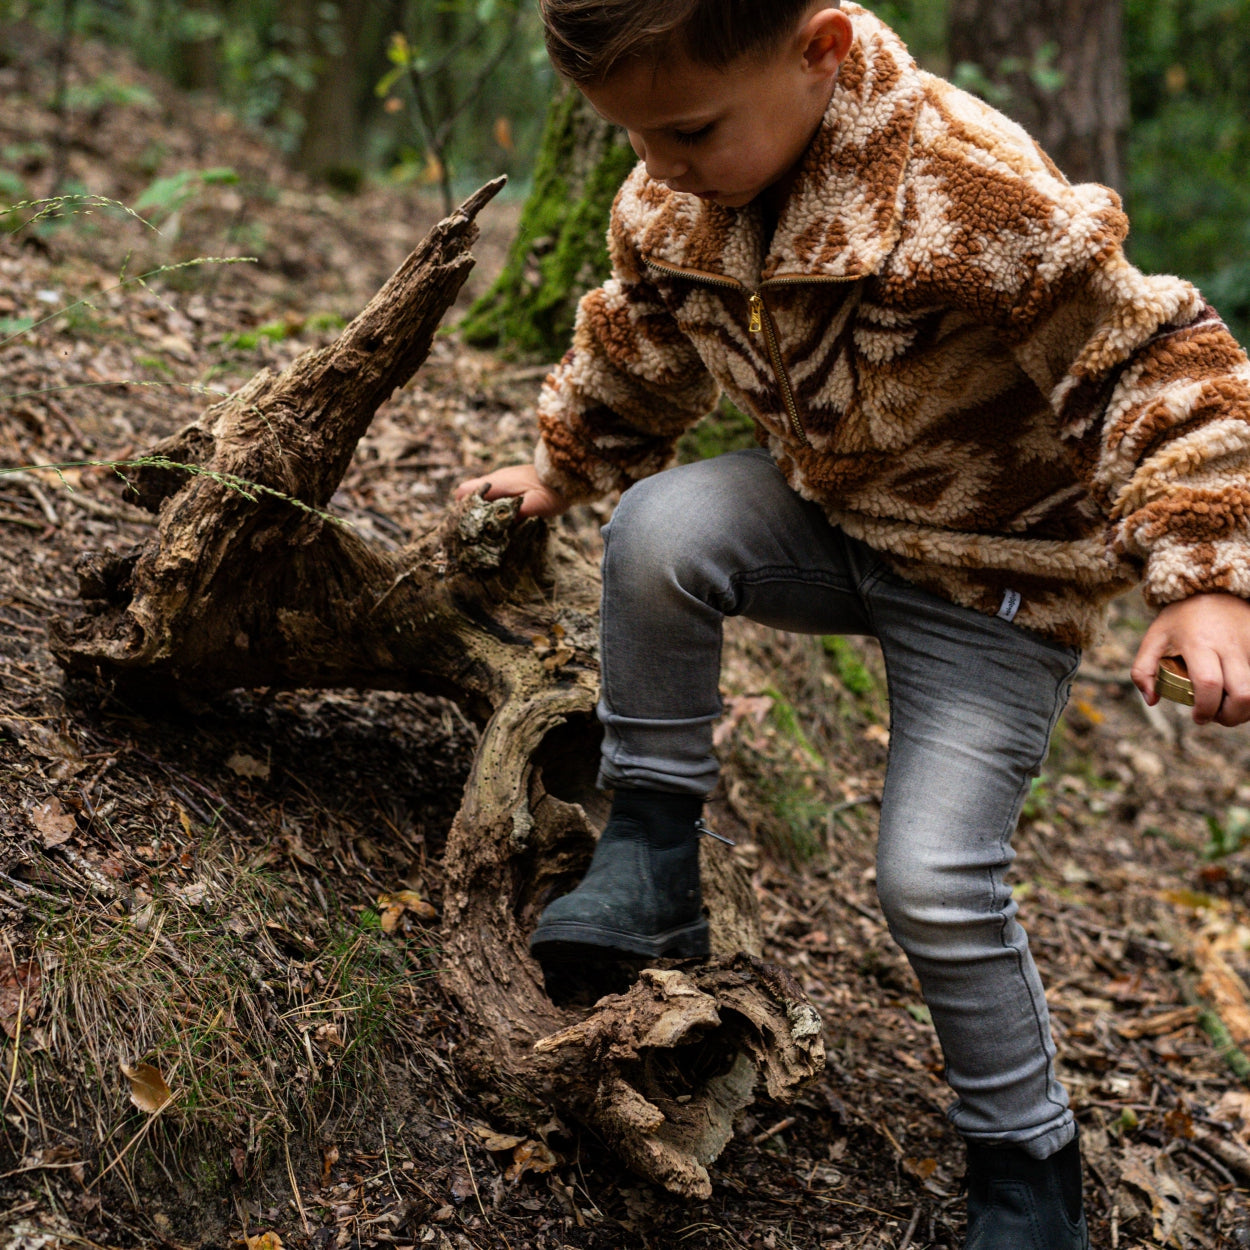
[693,136]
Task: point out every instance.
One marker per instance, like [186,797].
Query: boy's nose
[662,164]
[664,167]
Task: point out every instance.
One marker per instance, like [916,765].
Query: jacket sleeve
[1151,393]
[612,410]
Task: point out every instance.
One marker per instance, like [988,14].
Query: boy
[979,424]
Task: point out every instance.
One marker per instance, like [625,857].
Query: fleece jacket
[943,345]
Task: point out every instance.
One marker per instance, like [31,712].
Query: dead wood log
[246,582]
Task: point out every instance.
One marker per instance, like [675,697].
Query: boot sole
[564,941]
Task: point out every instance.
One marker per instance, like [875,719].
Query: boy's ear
[825,39]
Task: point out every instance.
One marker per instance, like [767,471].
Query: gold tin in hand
[1172,681]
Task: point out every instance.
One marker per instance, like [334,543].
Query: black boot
[1017,1202]
[640,897]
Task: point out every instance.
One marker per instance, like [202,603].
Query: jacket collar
[844,214]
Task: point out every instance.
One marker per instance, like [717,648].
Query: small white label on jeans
[1010,605]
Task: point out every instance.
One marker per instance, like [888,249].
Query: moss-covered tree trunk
[560,250]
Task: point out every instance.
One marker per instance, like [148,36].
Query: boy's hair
[588,39]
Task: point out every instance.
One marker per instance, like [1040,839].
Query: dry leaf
[496,1141]
[265,1241]
[329,1157]
[753,707]
[1179,1123]
[394,905]
[48,744]
[52,1157]
[298,851]
[238,1159]
[1089,711]
[19,992]
[530,1156]
[461,1187]
[1150,1173]
[1152,1026]
[193,894]
[1222,984]
[148,1090]
[416,904]
[878,734]
[53,822]
[248,766]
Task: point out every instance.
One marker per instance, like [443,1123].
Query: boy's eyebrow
[696,121]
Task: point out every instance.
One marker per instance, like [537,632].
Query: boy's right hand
[537,499]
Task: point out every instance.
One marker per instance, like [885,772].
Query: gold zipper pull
[756,303]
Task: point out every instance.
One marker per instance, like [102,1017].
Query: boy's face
[728,135]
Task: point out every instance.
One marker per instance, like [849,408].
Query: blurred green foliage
[1188,64]
[494,122]
[1189,147]
[726,428]
[268,55]
[922,24]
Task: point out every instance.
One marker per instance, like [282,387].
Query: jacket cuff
[572,489]
[1176,570]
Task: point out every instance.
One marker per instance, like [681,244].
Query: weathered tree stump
[246,582]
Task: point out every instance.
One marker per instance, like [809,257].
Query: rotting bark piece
[245,583]
[680,1055]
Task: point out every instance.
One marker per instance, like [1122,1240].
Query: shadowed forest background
[236,986]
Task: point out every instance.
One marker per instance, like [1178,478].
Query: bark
[330,143]
[1079,113]
[247,582]
[198,54]
[560,251]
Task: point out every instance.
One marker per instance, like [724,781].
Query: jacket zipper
[761,320]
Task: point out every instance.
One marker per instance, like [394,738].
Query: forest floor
[222,1024]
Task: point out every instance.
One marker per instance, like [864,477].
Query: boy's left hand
[1212,634]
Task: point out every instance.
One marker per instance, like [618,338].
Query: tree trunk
[329,146]
[1060,67]
[199,50]
[247,582]
[560,251]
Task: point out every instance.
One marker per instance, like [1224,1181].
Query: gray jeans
[973,700]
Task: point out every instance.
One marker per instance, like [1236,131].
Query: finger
[538,503]
[1207,674]
[469,487]
[1154,646]
[1235,709]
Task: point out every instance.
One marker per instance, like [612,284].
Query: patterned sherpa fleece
[953,358]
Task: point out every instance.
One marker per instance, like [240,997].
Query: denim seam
[613,756]
[1003,840]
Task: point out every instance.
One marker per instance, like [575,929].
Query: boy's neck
[773,199]
[771,203]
